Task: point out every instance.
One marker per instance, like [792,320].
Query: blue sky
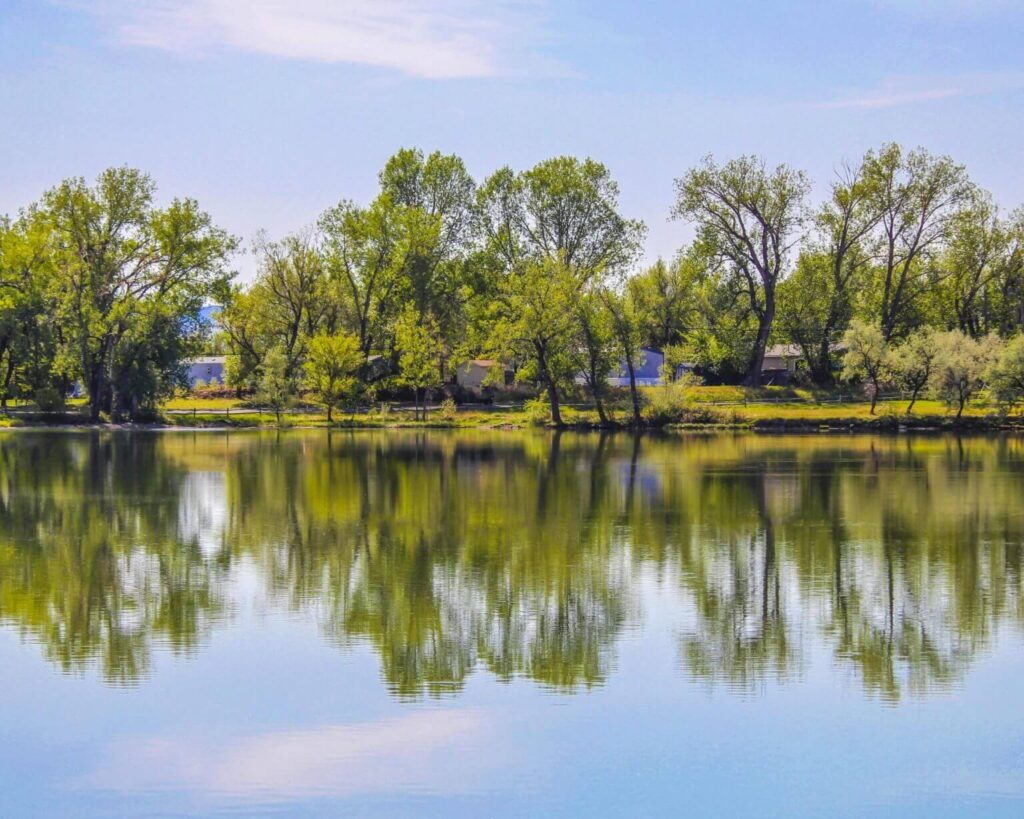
[268,111]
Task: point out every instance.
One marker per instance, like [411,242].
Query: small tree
[913,364]
[419,355]
[597,347]
[961,365]
[866,357]
[1006,374]
[627,330]
[276,388]
[332,362]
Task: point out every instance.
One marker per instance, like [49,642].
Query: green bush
[537,411]
[49,399]
[448,410]
[665,405]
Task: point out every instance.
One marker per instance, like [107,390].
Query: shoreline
[763,425]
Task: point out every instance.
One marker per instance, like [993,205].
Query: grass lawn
[727,406]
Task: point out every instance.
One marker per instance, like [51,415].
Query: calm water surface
[510,624]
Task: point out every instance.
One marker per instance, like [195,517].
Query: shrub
[961,365]
[666,405]
[49,399]
[913,363]
[537,411]
[449,409]
[1005,374]
[866,358]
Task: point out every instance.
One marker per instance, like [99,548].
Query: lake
[510,624]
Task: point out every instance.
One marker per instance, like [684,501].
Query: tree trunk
[913,400]
[595,391]
[821,364]
[633,395]
[764,330]
[556,412]
[330,417]
[874,396]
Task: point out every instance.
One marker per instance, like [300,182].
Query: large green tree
[818,300]
[548,234]
[290,301]
[27,338]
[919,196]
[129,281]
[438,190]
[749,217]
[367,252]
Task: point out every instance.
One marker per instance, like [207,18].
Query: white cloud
[435,751]
[437,39]
[894,92]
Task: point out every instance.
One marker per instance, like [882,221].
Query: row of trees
[535,269]
[523,268]
[951,364]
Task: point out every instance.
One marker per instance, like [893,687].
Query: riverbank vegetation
[906,277]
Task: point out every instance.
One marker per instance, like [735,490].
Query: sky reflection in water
[511,624]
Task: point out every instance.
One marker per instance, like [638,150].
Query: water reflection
[521,554]
[410,753]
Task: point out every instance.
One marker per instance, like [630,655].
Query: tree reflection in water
[521,553]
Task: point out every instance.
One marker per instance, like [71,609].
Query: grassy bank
[696,407]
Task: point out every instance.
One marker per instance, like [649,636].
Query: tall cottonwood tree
[827,277]
[439,189]
[366,252]
[750,218]
[919,195]
[126,277]
[289,303]
[982,249]
[558,221]
[27,338]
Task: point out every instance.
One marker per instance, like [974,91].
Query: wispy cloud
[435,751]
[437,39]
[894,92]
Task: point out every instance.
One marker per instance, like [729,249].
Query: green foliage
[667,404]
[288,303]
[914,362]
[332,363]
[961,365]
[666,300]
[449,410]
[747,217]
[1005,375]
[48,399]
[101,286]
[276,387]
[597,344]
[537,412]
[420,351]
[128,283]
[866,357]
